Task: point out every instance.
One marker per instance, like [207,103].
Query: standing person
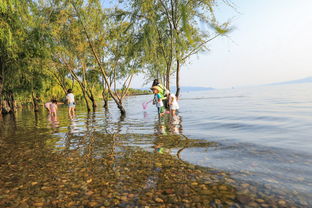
[174,105]
[47,105]
[158,100]
[163,91]
[53,108]
[70,97]
[52,118]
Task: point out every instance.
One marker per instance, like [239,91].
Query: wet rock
[253,204]
[260,201]
[89,193]
[131,195]
[304,203]
[106,204]
[229,195]
[46,188]
[159,200]
[244,199]
[281,203]
[34,183]
[38,204]
[207,192]
[70,204]
[93,204]
[217,201]
[186,201]
[124,198]
[223,188]
[196,199]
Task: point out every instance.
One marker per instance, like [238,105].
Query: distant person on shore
[70,97]
[163,91]
[159,100]
[47,105]
[174,105]
[53,108]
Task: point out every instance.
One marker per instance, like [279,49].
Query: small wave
[239,126]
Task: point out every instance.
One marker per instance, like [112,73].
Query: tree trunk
[86,100]
[10,108]
[104,73]
[105,98]
[1,84]
[12,103]
[93,102]
[35,102]
[163,79]
[1,94]
[73,83]
[91,97]
[178,79]
[122,109]
[168,77]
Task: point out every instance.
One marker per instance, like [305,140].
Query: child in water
[159,103]
[70,97]
[173,103]
[53,108]
[162,91]
[47,106]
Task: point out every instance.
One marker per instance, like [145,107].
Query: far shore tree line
[96,47]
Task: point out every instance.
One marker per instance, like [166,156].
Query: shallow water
[256,141]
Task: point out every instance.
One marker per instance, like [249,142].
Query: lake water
[260,136]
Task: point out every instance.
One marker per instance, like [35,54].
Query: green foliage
[47,47]
[172,31]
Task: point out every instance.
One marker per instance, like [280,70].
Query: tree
[10,25]
[46,46]
[70,49]
[22,48]
[172,29]
[124,62]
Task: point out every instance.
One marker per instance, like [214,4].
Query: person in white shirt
[70,97]
[173,103]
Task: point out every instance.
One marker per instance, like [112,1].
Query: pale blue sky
[271,42]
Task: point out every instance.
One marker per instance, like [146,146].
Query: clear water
[261,135]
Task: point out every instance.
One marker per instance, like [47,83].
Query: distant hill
[189,88]
[297,81]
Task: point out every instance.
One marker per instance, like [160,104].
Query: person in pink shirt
[47,106]
[53,108]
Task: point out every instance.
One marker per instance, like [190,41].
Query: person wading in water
[163,92]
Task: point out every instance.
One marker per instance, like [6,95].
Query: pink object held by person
[145,104]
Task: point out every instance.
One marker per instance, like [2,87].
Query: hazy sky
[271,42]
